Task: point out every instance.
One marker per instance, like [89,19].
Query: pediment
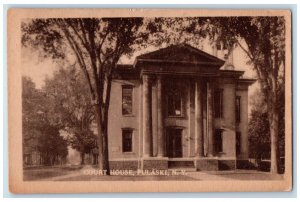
[181,53]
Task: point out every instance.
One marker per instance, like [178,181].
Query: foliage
[97,44]
[70,108]
[259,132]
[39,135]
[51,144]
[30,108]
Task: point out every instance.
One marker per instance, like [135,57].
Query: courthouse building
[178,107]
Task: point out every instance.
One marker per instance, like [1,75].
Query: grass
[38,175]
[42,172]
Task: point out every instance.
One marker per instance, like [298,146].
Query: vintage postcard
[149,100]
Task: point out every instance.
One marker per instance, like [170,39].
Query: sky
[35,67]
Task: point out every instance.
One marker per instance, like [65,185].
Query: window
[218,141]
[127,100]
[218,103]
[238,109]
[238,143]
[174,103]
[127,140]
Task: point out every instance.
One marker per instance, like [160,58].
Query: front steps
[202,164]
[187,165]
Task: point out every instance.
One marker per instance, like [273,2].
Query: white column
[198,120]
[160,127]
[210,130]
[147,144]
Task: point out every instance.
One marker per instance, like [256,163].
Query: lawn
[38,173]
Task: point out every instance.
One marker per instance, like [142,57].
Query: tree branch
[81,38]
[79,56]
[245,50]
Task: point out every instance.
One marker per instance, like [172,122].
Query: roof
[180,53]
[246,81]
[180,59]
[126,71]
[231,73]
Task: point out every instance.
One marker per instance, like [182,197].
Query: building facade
[177,108]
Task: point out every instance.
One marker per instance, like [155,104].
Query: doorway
[174,143]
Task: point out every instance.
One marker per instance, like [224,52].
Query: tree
[30,120]
[52,145]
[70,108]
[259,133]
[38,133]
[263,40]
[97,44]
[30,107]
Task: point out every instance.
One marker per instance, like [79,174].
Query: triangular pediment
[181,53]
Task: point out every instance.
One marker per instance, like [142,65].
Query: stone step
[183,168]
[181,164]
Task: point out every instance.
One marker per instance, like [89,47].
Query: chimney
[214,50]
[229,60]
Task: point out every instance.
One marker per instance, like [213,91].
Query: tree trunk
[82,158]
[273,119]
[105,147]
[102,141]
[99,137]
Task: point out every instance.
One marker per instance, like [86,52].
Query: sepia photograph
[138,99]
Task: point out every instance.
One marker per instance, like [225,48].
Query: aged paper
[179,109]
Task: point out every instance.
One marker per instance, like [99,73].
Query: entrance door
[174,145]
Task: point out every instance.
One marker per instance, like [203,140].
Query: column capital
[146,77]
